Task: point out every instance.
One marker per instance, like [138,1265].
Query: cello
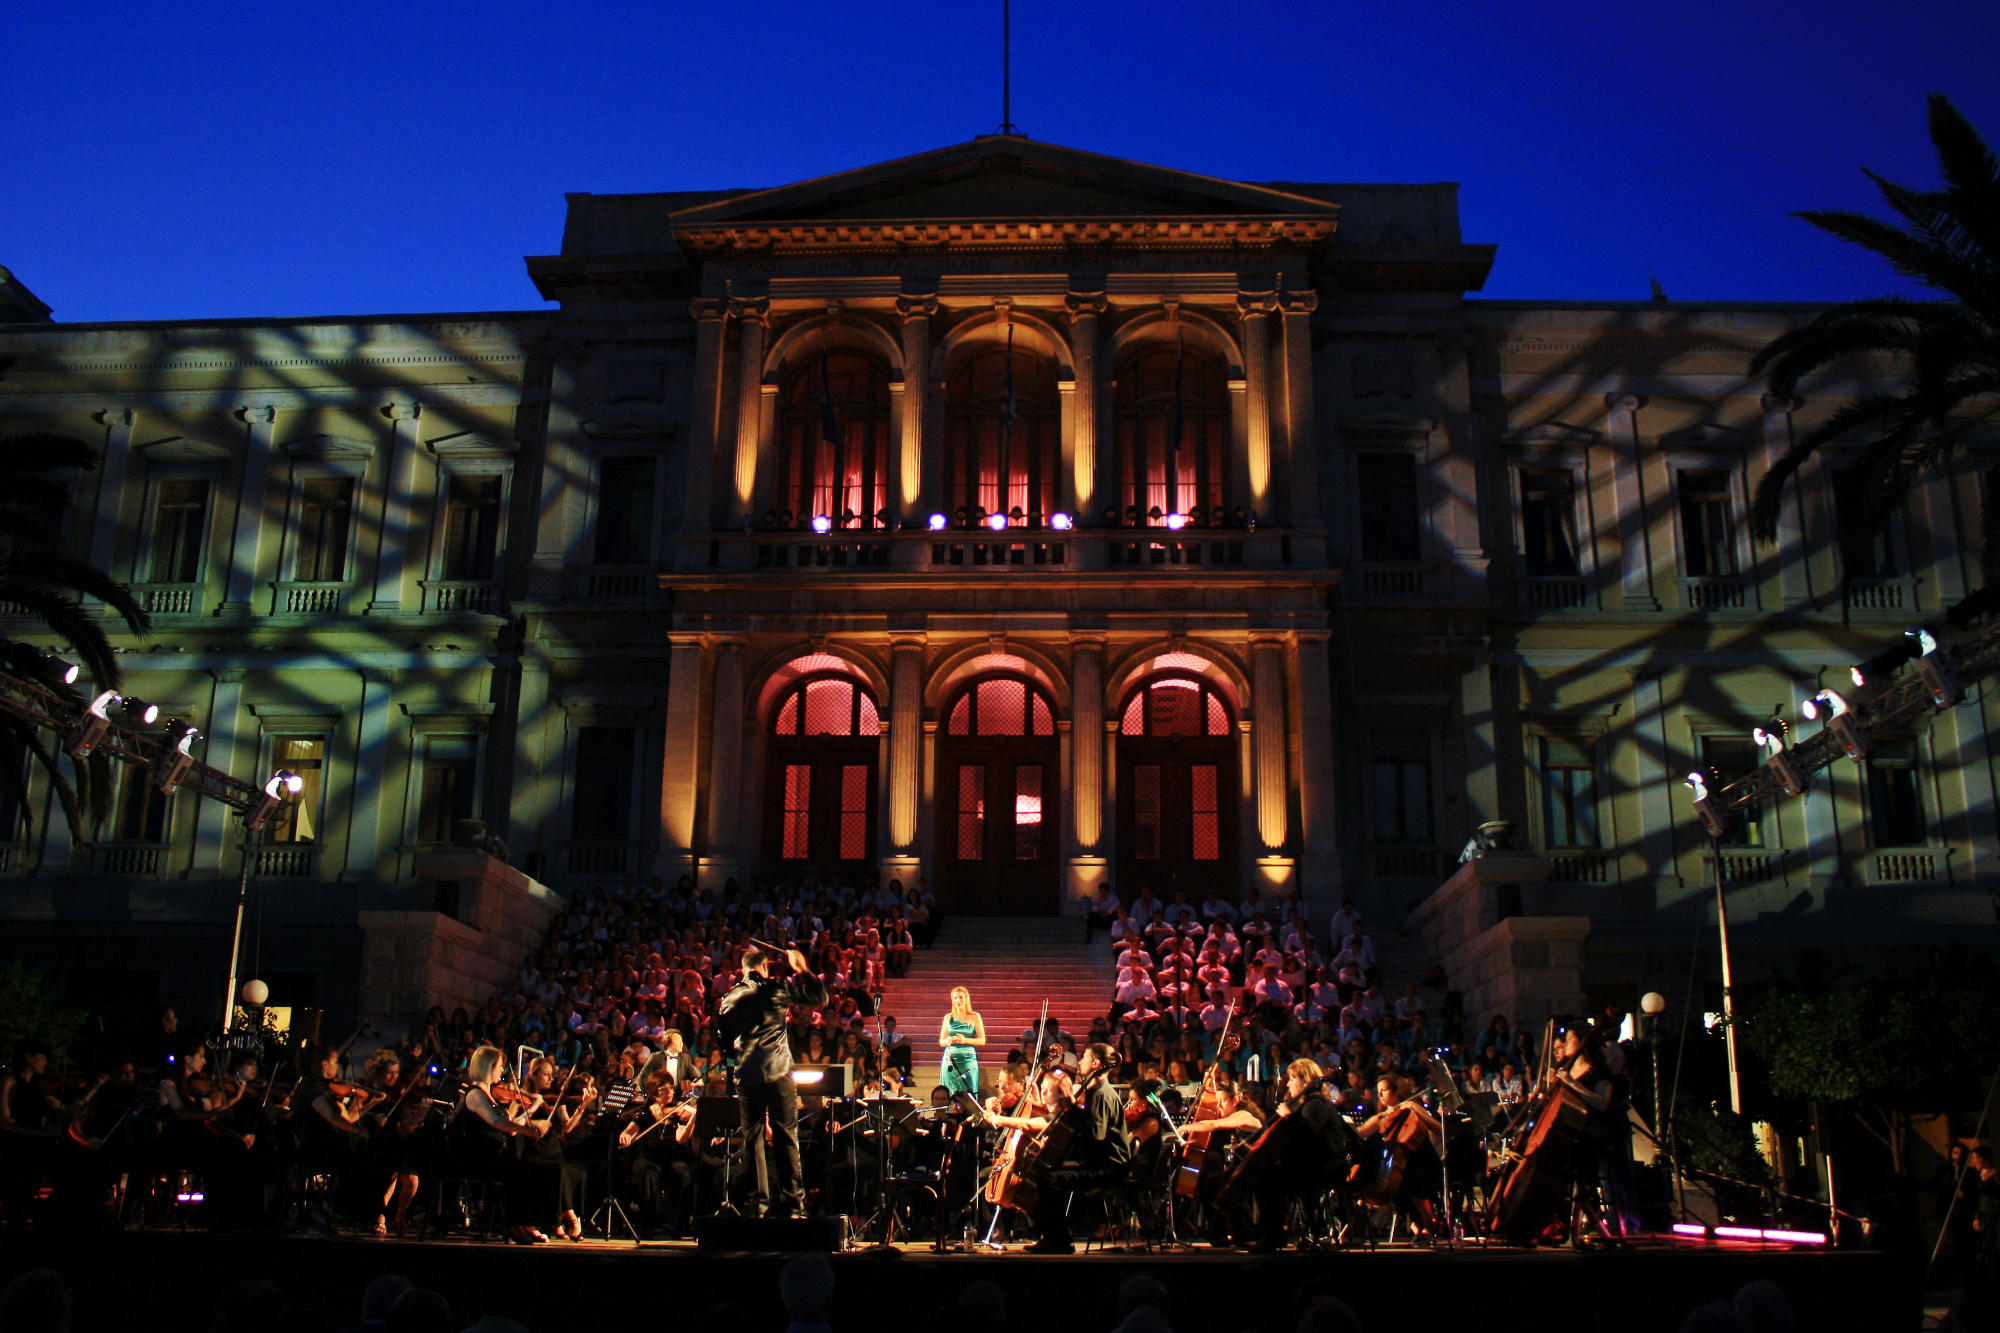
[1208,1106]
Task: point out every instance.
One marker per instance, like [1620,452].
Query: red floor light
[1763,1235]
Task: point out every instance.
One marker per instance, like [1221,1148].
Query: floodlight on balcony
[1061,521]
[1829,704]
[939,521]
[822,524]
[1937,673]
[283,787]
[96,721]
[997,521]
[1780,764]
[1176,521]
[40,665]
[174,765]
[1711,818]
[139,713]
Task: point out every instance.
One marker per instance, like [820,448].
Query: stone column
[1482,755]
[1301,435]
[536,780]
[1628,490]
[221,750]
[1087,742]
[1794,578]
[1319,870]
[680,764]
[913,488]
[111,469]
[1267,681]
[1087,488]
[752,327]
[246,544]
[396,529]
[1653,777]
[906,736]
[723,854]
[372,781]
[704,429]
[1256,309]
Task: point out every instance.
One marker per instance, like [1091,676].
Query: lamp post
[283,787]
[1714,826]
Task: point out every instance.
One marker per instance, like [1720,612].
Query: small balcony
[1717,593]
[600,858]
[308,599]
[129,858]
[477,595]
[1883,597]
[169,599]
[289,860]
[1023,549]
[1556,593]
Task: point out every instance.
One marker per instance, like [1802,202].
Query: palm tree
[40,578]
[1949,241]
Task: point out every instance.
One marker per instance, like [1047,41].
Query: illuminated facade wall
[1448,561]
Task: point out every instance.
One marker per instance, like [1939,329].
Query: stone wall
[490,922]
[1526,967]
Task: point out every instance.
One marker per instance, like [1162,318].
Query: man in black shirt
[1098,1153]
[752,1015]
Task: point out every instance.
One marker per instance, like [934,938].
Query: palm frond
[1860,414]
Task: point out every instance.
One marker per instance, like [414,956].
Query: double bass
[1535,1190]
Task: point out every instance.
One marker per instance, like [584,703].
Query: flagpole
[1006,67]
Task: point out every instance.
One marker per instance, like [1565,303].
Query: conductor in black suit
[752,1015]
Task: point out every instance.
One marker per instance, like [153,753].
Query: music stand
[614,1105]
[723,1113]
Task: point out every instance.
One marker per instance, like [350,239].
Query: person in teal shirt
[961,1035]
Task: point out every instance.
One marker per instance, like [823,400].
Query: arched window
[1004,437]
[997,763]
[836,442]
[820,789]
[1164,392]
[1177,786]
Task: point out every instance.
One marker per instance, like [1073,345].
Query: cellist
[1232,1119]
[1408,1132]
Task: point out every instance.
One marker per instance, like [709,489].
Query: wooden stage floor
[136,1279]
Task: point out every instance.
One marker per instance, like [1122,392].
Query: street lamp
[1713,825]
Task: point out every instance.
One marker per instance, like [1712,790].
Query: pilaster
[536,781]
[246,543]
[698,506]
[1794,578]
[1268,736]
[906,717]
[914,485]
[680,765]
[1301,435]
[1653,777]
[1312,705]
[753,325]
[111,469]
[220,750]
[722,853]
[565,477]
[1255,310]
[397,530]
[373,780]
[1089,489]
[1628,489]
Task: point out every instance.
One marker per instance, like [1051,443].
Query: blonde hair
[484,1065]
[957,991]
[1308,1070]
[380,1064]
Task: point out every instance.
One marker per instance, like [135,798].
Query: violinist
[1410,1172]
[32,1123]
[557,1184]
[1097,1155]
[396,1155]
[661,1170]
[485,1126]
[328,1117]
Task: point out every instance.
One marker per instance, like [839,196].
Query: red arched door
[1177,790]
[819,801]
[998,817]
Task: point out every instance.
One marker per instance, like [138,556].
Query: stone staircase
[1010,964]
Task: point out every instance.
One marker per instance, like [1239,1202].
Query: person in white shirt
[1323,992]
[1214,906]
[1135,986]
[1145,905]
[1134,956]
[1271,991]
[1372,1003]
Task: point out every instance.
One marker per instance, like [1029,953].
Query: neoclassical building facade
[1009,517]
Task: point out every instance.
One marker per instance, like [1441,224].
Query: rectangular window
[1400,779]
[1895,806]
[853,812]
[326,506]
[1146,809]
[798,812]
[1706,525]
[180,516]
[305,756]
[445,788]
[1205,809]
[625,511]
[1728,758]
[602,805]
[1388,494]
[142,813]
[971,812]
[471,528]
[1569,794]
[1877,559]
[1028,812]
[1548,523]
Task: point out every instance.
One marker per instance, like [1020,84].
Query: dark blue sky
[184,161]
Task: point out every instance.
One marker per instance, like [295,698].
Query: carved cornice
[1176,233]
[917,307]
[1085,305]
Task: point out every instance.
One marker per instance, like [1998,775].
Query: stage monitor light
[96,721]
[1061,522]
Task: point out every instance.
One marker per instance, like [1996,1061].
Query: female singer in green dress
[961,1035]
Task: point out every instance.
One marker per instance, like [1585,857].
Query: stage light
[939,522]
[1779,763]
[283,786]
[1834,708]
[1937,673]
[1061,522]
[40,665]
[139,713]
[1711,818]
[1176,521]
[822,524]
[96,721]
[1884,664]
[997,521]
[174,766]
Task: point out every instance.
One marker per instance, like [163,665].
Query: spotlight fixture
[1937,673]
[174,766]
[997,521]
[939,522]
[96,721]
[1711,818]
[139,713]
[1779,763]
[1830,705]
[1884,663]
[1176,521]
[40,665]
[822,524]
[1061,522]
[283,787]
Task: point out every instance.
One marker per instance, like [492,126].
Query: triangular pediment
[1005,176]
